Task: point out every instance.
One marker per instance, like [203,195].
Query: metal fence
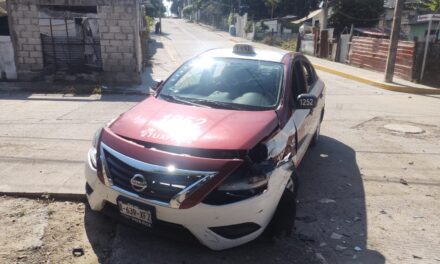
[71,44]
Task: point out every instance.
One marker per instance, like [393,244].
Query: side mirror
[306,101]
[155,86]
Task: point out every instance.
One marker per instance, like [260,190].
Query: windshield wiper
[220,104]
[180,100]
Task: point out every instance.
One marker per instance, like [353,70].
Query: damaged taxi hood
[161,122]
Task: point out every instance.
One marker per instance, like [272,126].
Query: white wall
[7,61]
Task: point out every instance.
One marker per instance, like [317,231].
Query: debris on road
[416,257]
[78,251]
[403,181]
[327,200]
[336,236]
[321,258]
[340,248]
[357,249]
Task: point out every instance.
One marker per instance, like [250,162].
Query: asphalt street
[368,194]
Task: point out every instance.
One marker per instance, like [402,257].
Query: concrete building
[94,40]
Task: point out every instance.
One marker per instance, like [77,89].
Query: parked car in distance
[214,149]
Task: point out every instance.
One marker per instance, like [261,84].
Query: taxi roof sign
[243,49]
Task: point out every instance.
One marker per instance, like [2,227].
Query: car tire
[283,220]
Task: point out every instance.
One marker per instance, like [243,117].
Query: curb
[70,197]
[389,87]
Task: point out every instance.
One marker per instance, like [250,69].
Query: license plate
[139,213]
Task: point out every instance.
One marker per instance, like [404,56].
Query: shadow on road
[331,200]
[332,211]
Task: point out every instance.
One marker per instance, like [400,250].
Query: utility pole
[324,15]
[394,41]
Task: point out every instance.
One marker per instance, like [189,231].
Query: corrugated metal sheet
[371,53]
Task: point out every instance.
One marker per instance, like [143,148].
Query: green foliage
[187,11]
[249,27]
[361,13]
[149,22]
[175,6]
[433,5]
[291,26]
[231,19]
[273,40]
[261,27]
[289,45]
[157,10]
[272,5]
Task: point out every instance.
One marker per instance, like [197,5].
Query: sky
[168,6]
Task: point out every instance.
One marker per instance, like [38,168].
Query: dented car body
[214,148]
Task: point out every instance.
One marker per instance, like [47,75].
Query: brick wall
[371,53]
[117,26]
[25,33]
[119,34]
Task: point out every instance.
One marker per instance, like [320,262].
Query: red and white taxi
[214,149]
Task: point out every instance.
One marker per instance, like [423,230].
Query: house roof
[376,32]
[310,15]
[3,11]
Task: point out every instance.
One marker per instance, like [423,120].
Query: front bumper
[198,219]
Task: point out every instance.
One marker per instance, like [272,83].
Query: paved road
[377,188]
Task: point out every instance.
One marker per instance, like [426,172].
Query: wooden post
[394,41]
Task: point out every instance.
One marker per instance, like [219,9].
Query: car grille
[161,187]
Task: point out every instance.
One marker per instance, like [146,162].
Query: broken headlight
[248,180]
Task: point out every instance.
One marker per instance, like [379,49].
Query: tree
[433,5]
[157,10]
[272,4]
[176,5]
[360,13]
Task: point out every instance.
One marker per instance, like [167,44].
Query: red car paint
[161,122]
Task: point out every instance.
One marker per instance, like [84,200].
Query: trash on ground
[356,248]
[321,258]
[340,248]
[336,236]
[403,181]
[78,251]
[327,200]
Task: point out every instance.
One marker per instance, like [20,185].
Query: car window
[227,80]
[298,79]
[309,75]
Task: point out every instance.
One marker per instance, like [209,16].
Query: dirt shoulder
[43,231]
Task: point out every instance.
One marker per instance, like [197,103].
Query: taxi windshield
[227,83]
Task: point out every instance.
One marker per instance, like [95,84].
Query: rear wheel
[283,221]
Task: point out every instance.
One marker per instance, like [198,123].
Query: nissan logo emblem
[138,183]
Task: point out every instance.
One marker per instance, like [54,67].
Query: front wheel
[283,221]
[316,136]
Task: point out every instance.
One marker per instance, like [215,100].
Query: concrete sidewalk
[370,77]
[353,73]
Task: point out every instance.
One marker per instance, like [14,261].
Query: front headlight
[247,181]
[93,152]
